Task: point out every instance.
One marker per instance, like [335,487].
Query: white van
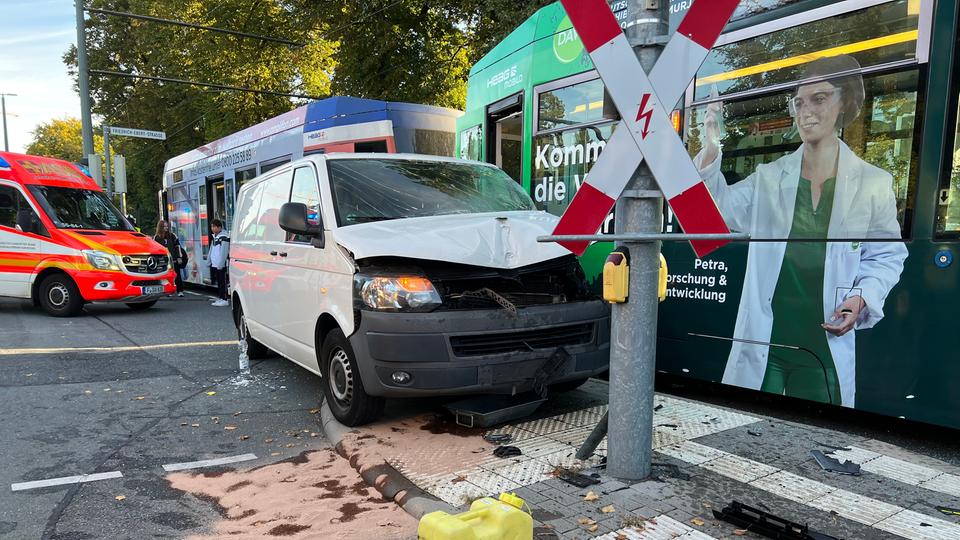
[393,275]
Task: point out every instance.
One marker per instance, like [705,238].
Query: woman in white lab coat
[809,294]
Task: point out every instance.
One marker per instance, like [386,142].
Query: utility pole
[3,104]
[633,342]
[83,80]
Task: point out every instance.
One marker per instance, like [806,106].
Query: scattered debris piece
[120,497]
[591,496]
[698,522]
[229,427]
[507,451]
[238,413]
[949,511]
[211,393]
[244,437]
[766,524]
[608,509]
[194,425]
[832,447]
[754,433]
[674,426]
[498,438]
[576,479]
[621,536]
[586,521]
[832,464]
[268,441]
[593,528]
[140,398]
[658,407]
[739,532]
[314,411]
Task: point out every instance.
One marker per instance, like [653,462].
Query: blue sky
[35,35]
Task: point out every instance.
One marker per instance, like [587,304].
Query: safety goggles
[814,102]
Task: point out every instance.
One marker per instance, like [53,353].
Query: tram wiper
[368,219]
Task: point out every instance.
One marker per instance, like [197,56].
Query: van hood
[116,242]
[496,240]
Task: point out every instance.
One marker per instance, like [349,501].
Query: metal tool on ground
[767,524]
[643,154]
[487,519]
[577,479]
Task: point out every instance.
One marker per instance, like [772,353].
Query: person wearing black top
[170,241]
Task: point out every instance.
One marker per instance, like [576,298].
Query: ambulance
[63,243]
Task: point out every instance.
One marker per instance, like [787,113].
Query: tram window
[948,196]
[306,191]
[875,35]
[178,176]
[242,176]
[471,143]
[433,142]
[370,147]
[759,130]
[580,103]
[266,166]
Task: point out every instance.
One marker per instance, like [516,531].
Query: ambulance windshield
[71,208]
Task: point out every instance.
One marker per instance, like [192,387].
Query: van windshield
[368,190]
[70,208]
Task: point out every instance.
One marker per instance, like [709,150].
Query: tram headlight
[102,261]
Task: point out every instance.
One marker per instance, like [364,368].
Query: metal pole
[3,102]
[108,173]
[83,82]
[634,326]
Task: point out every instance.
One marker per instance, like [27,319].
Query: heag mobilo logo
[508,78]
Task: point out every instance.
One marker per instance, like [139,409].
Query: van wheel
[342,387]
[59,296]
[141,306]
[255,349]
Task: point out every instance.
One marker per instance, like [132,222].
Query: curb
[392,484]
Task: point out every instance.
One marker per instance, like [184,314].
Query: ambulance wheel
[255,349]
[342,387]
[59,296]
[141,306]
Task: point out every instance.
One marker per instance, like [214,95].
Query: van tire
[59,296]
[255,349]
[342,386]
[141,306]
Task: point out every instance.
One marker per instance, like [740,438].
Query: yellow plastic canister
[487,519]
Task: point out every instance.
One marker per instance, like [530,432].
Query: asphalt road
[133,407]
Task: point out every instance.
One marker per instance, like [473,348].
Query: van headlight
[102,261]
[400,293]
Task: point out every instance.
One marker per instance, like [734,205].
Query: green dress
[809,372]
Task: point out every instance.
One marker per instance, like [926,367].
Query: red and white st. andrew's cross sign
[640,100]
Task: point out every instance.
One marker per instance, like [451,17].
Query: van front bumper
[122,287]
[479,351]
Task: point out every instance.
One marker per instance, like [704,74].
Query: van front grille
[146,264]
[522,340]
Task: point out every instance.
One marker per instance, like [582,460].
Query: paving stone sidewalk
[705,457]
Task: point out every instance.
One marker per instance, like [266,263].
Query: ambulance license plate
[151,290]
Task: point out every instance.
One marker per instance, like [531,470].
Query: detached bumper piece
[766,524]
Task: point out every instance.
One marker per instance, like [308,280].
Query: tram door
[505,135]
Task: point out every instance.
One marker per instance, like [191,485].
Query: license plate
[152,289]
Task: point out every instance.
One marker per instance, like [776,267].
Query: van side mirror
[294,219]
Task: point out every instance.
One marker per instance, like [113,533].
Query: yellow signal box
[616,276]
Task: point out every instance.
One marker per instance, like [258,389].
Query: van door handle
[273,253]
[283,253]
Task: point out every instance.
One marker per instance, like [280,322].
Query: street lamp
[3,105]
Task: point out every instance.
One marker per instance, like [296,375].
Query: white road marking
[123,348]
[171,467]
[901,470]
[66,480]
[853,506]
[662,527]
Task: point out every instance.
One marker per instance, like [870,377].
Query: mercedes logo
[151,263]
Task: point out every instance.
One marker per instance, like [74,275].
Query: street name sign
[645,131]
[140,133]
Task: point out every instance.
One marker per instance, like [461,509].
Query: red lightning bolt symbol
[645,116]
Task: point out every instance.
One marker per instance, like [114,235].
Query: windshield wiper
[367,219]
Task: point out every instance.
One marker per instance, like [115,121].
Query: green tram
[536,108]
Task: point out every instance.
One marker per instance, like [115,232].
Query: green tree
[60,138]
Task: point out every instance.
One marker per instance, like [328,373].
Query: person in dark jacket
[170,241]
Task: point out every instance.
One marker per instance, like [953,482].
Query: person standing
[219,254]
[824,271]
[167,239]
